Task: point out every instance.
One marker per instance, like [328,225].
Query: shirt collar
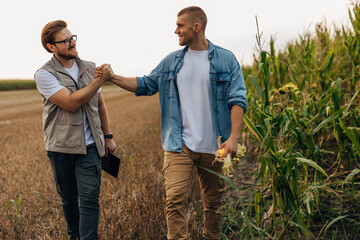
[211,51]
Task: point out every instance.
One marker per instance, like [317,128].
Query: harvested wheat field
[131,207]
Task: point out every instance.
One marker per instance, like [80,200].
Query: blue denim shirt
[227,88]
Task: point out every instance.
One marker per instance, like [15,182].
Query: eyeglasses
[67,41]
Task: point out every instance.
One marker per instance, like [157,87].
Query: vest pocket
[68,135]
[69,129]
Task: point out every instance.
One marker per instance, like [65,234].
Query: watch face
[110,136]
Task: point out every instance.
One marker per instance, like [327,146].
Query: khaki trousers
[177,169]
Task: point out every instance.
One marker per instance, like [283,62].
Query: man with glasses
[76,128]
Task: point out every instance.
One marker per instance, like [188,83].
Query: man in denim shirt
[202,96]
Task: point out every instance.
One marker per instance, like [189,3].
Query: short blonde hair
[196,14]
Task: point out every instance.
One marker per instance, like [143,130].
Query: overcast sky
[134,35]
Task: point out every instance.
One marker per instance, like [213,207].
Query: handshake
[104,72]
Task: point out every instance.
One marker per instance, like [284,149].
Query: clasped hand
[104,72]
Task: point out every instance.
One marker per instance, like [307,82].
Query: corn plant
[14,206]
[303,112]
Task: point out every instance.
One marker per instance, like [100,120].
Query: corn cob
[228,160]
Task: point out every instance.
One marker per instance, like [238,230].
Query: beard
[184,42]
[68,55]
[187,39]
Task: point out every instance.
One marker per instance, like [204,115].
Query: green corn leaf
[351,175]
[8,205]
[326,151]
[351,135]
[352,99]
[328,120]
[328,62]
[263,56]
[324,100]
[332,222]
[253,129]
[272,49]
[259,230]
[289,149]
[302,227]
[310,143]
[274,158]
[300,138]
[263,171]
[312,164]
[220,176]
[12,201]
[266,85]
[336,94]
[268,161]
[267,123]
[19,219]
[307,199]
[257,88]
[19,200]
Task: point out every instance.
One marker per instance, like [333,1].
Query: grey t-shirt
[193,82]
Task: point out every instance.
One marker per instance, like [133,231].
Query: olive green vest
[64,130]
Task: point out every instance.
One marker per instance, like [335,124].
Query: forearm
[103,115]
[126,83]
[237,118]
[79,98]
[231,144]
[110,145]
[73,101]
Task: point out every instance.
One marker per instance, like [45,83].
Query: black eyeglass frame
[67,41]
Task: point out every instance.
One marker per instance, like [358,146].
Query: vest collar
[59,68]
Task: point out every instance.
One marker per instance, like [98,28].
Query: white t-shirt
[193,82]
[48,85]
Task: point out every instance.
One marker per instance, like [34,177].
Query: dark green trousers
[78,177]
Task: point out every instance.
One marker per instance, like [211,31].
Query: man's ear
[50,47]
[197,27]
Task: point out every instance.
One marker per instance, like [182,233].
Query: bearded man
[76,128]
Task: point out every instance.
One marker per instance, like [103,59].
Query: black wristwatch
[109,136]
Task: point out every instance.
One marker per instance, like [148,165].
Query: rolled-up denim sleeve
[148,84]
[141,87]
[237,88]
